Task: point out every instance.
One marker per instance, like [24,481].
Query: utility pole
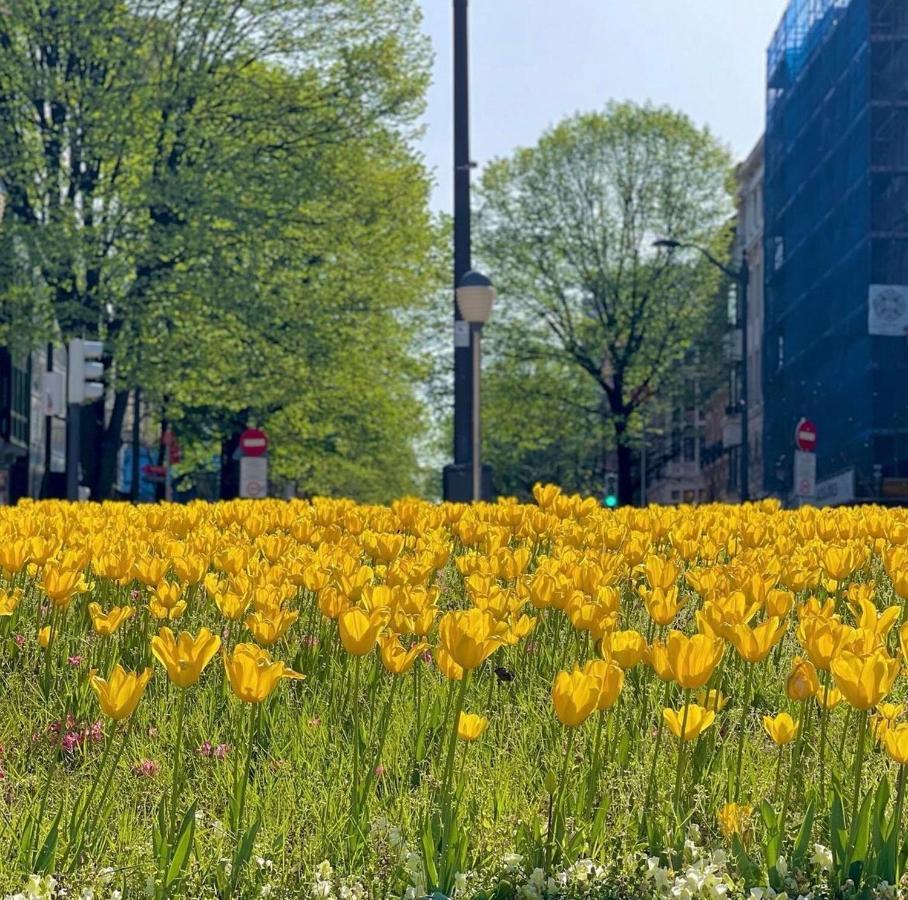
[458,477]
[743,284]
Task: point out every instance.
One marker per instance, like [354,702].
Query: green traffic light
[611,501]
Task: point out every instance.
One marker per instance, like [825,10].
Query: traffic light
[85,370]
[610,495]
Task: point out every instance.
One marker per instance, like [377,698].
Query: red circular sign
[253,442]
[806,436]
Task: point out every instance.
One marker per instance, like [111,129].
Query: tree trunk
[625,459]
[106,472]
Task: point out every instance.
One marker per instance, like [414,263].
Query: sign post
[805,459]
[253,463]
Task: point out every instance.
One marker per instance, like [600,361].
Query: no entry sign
[806,436]
[253,442]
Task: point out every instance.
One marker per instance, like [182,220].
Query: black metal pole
[48,430]
[744,282]
[457,477]
[135,467]
[73,439]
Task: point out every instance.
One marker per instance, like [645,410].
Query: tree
[180,178]
[566,228]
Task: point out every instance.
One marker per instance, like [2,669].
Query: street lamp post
[475,296]
[741,277]
[456,475]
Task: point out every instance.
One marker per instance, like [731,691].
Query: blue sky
[535,61]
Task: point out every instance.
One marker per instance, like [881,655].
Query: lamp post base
[457,482]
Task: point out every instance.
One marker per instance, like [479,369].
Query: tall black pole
[457,481]
[744,283]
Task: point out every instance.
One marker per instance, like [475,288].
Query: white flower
[657,874]
[106,875]
[266,890]
[116,894]
[460,881]
[822,857]
[782,866]
[322,890]
[324,871]
[410,893]
[87,894]
[511,861]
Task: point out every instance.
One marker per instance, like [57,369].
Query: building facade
[835,335]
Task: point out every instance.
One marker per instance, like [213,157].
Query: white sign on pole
[254,476]
[887,310]
[52,389]
[805,473]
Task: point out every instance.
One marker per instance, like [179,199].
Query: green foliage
[566,229]
[226,194]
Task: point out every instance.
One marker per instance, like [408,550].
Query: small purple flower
[96,733]
[311,640]
[75,661]
[152,732]
[221,751]
[20,640]
[146,768]
[205,749]
[71,742]
[426,657]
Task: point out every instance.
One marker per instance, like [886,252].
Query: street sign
[806,436]
[253,442]
[52,391]
[805,473]
[254,476]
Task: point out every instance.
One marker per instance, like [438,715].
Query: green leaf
[183,847]
[802,841]
[45,861]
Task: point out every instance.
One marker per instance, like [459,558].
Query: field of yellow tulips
[323,699]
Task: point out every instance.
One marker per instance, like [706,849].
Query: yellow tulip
[232,605]
[712,699]
[105,624]
[395,658]
[778,603]
[447,666]
[611,681]
[44,636]
[864,681]
[693,659]
[119,694]
[575,695]
[803,682]
[822,639]
[661,604]
[625,647]
[471,726]
[755,644]
[782,729]
[828,699]
[61,585]
[270,626]
[733,819]
[871,619]
[469,637]
[186,656]
[359,630]
[696,722]
[895,742]
[167,601]
[657,658]
[252,674]
[9,601]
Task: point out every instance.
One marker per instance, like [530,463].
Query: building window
[676,496]
[780,352]
[690,449]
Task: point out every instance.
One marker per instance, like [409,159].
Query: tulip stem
[795,760]
[651,782]
[677,792]
[380,746]
[899,800]
[355,780]
[244,778]
[775,783]
[177,754]
[452,742]
[858,763]
[593,780]
[824,716]
[745,707]
[555,820]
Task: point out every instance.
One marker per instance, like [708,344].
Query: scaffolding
[836,221]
